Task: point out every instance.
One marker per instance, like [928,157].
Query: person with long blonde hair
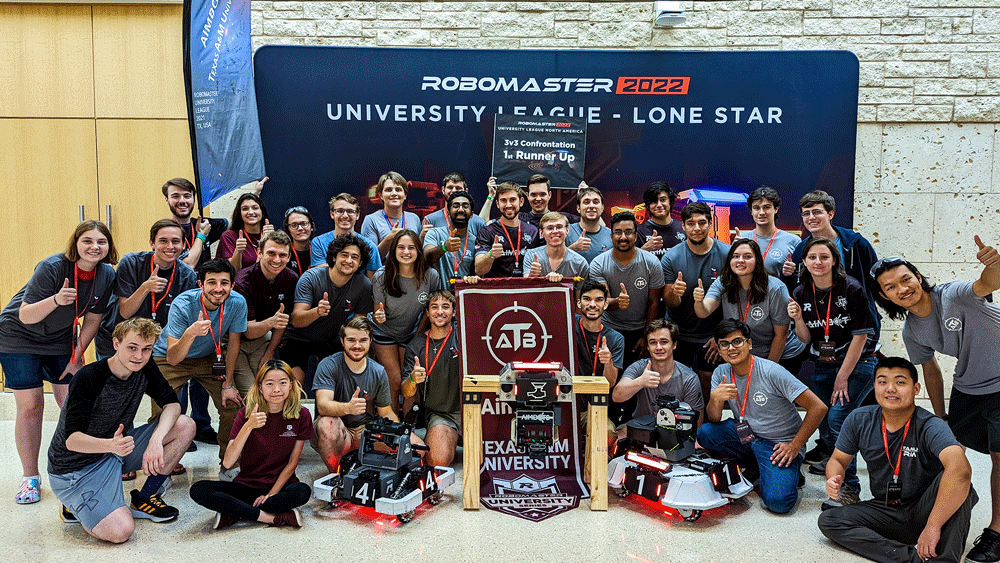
[267,440]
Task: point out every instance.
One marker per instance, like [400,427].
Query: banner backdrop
[553,146]
[333,119]
[222,106]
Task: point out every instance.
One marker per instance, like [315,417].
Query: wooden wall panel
[140,61]
[135,157]
[47,61]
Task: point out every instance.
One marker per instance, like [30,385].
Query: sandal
[178,470]
[29,492]
[130,476]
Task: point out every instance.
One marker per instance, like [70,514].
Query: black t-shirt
[672,234]
[534,220]
[219,226]
[849,315]
[97,403]
[506,266]
[300,260]
[441,391]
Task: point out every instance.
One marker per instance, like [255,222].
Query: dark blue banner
[715,125]
[222,108]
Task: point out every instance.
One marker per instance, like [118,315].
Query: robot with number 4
[384,474]
[657,460]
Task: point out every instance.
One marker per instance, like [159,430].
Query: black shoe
[818,454]
[66,516]
[207,436]
[750,473]
[802,479]
[986,548]
[818,468]
[152,508]
[192,447]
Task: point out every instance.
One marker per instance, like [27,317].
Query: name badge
[744,432]
[894,494]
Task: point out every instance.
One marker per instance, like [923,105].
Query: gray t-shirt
[438,219]
[599,241]
[639,276]
[771,406]
[441,391]
[354,298]
[961,325]
[445,265]
[401,313]
[572,266]
[54,334]
[333,374]
[706,267]
[377,225]
[683,384]
[927,437]
[761,316]
[775,256]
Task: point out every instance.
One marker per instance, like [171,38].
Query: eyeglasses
[296,209]
[884,264]
[554,228]
[735,343]
[348,212]
[813,212]
[619,232]
[297,226]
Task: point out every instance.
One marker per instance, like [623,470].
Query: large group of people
[662,307]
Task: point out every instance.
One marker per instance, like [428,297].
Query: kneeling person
[767,434]
[433,371]
[350,390]
[94,442]
[917,471]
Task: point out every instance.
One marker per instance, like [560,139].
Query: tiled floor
[631,529]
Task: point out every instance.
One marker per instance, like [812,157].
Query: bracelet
[443,247]
[410,378]
[230,387]
[489,197]
[490,254]
[204,239]
[56,301]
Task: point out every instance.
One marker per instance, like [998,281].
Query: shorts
[94,492]
[386,340]
[27,371]
[297,353]
[975,420]
[452,420]
[251,351]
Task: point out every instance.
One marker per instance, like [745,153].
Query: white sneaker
[228,475]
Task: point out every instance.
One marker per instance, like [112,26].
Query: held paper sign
[554,146]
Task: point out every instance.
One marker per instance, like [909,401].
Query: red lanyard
[188,243]
[899,458]
[402,220]
[152,295]
[466,248]
[596,346]
[222,312]
[826,326]
[743,315]
[298,263]
[78,312]
[746,390]
[427,349]
[517,253]
[770,242]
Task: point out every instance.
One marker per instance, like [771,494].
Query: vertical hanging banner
[553,146]
[222,105]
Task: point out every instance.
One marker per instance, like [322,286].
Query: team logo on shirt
[514,329]
[756,313]
[776,254]
[288,433]
[422,298]
[640,283]
[281,297]
[910,451]
[681,236]
[807,306]
[842,302]
[759,399]
[953,324]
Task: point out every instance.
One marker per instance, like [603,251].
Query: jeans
[859,384]
[199,405]
[779,486]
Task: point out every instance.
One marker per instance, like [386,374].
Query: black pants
[235,499]
[620,413]
[884,533]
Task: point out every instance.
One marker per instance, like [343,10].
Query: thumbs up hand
[623,298]
[280,319]
[604,355]
[679,287]
[267,228]
[241,244]
[121,445]
[201,327]
[788,267]
[424,227]
[724,391]
[357,404]
[379,314]
[581,244]
[699,292]
[536,268]
[419,373]
[453,244]
[987,255]
[833,486]
[155,284]
[650,379]
[794,311]
[323,307]
[256,419]
[497,249]
[66,294]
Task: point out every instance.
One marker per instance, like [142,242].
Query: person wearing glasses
[344,211]
[955,319]
[452,248]
[766,434]
[453,183]
[764,203]
[300,227]
[831,316]
[635,278]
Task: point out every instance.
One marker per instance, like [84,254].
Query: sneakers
[207,436]
[223,521]
[227,475]
[818,454]
[847,496]
[818,468]
[292,519]
[802,479]
[30,491]
[66,516]
[986,548]
[152,508]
